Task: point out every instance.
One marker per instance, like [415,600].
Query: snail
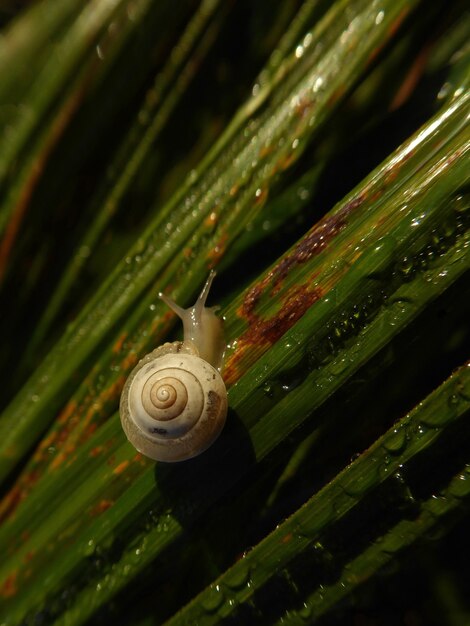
[174,403]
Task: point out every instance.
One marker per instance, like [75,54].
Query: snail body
[174,403]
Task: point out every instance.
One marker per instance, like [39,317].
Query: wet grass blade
[392,277]
[35,131]
[208,213]
[275,292]
[322,342]
[162,98]
[371,475]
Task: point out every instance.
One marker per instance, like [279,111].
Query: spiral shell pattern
[173,405]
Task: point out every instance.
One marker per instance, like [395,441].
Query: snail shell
[174,403]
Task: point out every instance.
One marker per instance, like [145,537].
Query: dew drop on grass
[212,598]
[397,310]
[305,612]
[89,548]
[339,366]
[268,389]
[397,440]
[238,577]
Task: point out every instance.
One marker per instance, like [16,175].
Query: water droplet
[460,486]
[84,252]
[237,577]
[305,612]
[397,440]
[444,91]
[339,366]
[99,52]
[421,429]
[406,268]
[453,400]
[417,220]
[303,193]
[268,389]
[358,481]
[212,598]
[396,309]
[386,468]
[379,17]
[462,203]
[89,548]
[307,40]
[343,501]
[439,418]
[317,85]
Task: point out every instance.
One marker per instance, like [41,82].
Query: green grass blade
[302,533]
[272,143]
[159,103]
[330,344]
[88,412]
[364,308]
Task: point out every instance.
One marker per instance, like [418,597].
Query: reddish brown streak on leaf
[398,21]
[411,79]
[303,108]
[391,33]
[128,363]
[59,125]
[18,493]
[69,420]
[101,507]
[10,502]
[265,332]
[119,469]
[119,343]
[95,414]
[29,556]
[296,302]
[311,245]
[66,412]
[217,251]
[337,95]
[9,587]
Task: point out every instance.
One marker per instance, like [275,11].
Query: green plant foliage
[316,154]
